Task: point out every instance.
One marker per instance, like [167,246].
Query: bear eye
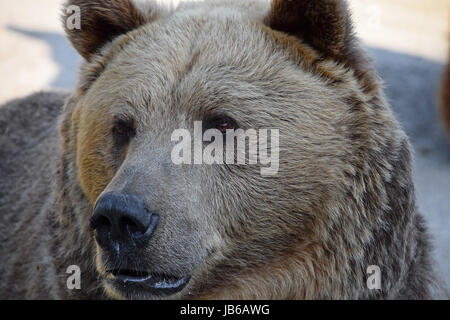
[123,131]
[220,123]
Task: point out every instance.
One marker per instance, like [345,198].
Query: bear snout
[122,221]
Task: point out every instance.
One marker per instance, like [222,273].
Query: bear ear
[100,21]
[323,24]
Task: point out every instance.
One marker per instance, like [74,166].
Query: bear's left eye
[220,123]
[123,131]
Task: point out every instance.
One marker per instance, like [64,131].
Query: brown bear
[88,179]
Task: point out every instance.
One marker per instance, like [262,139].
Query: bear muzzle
[123,226]
[123,220]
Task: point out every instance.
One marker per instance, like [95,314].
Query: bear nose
[123,219]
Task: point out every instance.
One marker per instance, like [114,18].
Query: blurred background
[408,39]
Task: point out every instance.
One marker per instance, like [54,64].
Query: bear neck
[72,241]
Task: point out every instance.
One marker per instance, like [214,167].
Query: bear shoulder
[23,119]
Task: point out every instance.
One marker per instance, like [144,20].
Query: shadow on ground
[63,55]
[412,86]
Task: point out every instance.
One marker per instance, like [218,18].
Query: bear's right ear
[101,21]
[323,24]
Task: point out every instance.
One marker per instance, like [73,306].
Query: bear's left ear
[101,21]
[323,24]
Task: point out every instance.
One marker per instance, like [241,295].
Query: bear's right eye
[123,131]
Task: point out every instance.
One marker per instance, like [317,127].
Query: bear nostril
[131,226]
[100,222]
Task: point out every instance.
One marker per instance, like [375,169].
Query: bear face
[290,67]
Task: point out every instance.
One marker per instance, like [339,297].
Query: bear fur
[343,199]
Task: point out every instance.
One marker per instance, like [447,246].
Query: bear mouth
[154,283]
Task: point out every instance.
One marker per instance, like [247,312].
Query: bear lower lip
[159,284]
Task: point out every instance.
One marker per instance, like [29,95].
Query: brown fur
[112,18]
[342,200]
[326,26]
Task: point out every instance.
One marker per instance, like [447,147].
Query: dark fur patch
[101,22]
[326,26]
[303,55]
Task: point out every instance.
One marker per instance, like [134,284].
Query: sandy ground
[407,38]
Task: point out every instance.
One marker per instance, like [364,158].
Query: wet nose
[123,219]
